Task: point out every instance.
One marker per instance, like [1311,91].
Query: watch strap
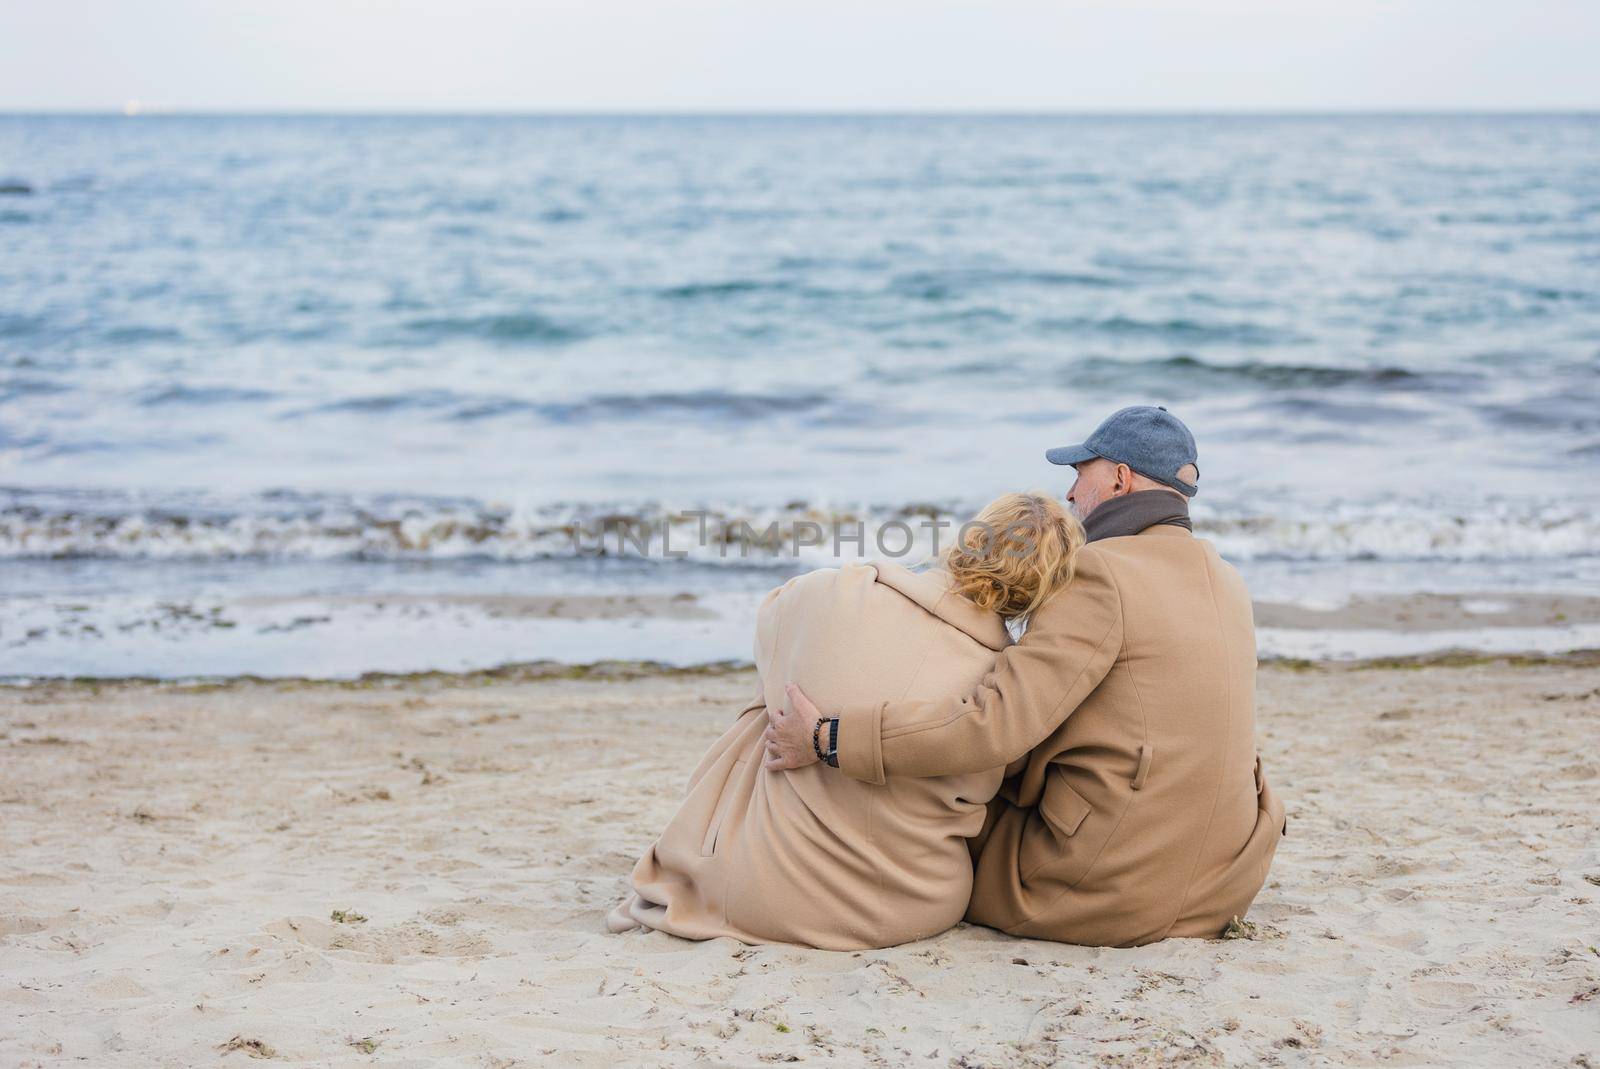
[830,756]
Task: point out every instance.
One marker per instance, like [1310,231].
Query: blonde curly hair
[1015,555]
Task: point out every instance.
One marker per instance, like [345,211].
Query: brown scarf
[1132,513]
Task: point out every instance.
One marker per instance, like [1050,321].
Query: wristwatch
[829,756]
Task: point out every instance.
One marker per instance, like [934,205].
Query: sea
[322,395]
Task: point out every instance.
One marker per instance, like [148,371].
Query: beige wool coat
[809,856]
[1142,812]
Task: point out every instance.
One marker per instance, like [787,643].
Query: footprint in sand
[17,924]
[33,879]
[384,945]
[119,987]
[1445,994]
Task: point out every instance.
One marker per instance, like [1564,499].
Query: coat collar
[932,591]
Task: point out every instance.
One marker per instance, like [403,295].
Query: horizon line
[135,109]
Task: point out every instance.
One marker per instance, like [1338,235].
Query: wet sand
[415,871]
[333,635]
[1435,612]
[683,606]
[1403,612]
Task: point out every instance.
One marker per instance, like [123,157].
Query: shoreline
[621,670]
[403,633]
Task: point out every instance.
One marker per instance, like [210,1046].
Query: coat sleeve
[1036,684]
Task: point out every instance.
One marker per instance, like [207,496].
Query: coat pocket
[1063,837]
[725,801]
[1064,808]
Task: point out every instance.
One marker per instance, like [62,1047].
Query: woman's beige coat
[809,856]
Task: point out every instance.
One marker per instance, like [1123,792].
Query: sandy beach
[404,421]
[415,871]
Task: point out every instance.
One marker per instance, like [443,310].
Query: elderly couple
[904,764]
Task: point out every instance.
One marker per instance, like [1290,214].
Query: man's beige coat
[1142,812]
[809,856]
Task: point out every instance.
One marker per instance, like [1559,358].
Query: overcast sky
[814,55]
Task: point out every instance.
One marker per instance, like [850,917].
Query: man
[1141,811]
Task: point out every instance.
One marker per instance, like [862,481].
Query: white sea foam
[733,536]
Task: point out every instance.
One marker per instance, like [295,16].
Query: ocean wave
[1185,368]
[720,404]
[690,291]
[286,528]
[1574,411]
[1406,534]
[947,285]
[140,334]
[1302,409]
[25,386]
[505,329]
[377,404]
[724,405]
[22,326]
[180,394]
[1176,330]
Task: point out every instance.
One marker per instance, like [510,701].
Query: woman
[812,857]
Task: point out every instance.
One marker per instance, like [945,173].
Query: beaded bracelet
[831,758]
